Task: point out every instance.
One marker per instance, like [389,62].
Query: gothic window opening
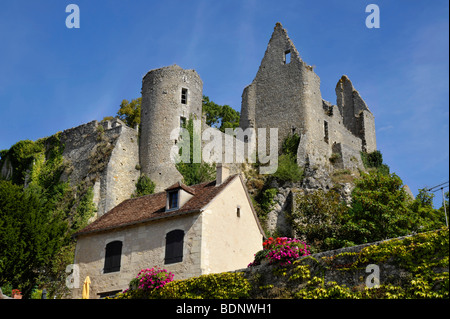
[184,93]
[325,131]
[113,254]
[174,246]
[287,57]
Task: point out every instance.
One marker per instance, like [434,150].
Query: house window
[238,211]
[184,93]
[112,256]
[287,57]
[174,246]
[173,200]
[325,131]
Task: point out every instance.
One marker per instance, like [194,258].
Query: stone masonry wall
[285,94]
[270,282]
[105,156]
[162,110]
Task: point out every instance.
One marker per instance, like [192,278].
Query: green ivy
[212,286]
[420,255]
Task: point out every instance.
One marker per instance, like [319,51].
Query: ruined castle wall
[118,180]
[275,96]
[102,155]
[78,143]
[162,109]
[248,107]
[286,94]
[368,127]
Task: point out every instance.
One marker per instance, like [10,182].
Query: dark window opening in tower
[184,93]
[325,129]
[287,57]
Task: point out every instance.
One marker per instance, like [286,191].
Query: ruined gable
[286,94]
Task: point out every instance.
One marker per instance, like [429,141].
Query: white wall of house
[143,247]
[229,242]
[216,240]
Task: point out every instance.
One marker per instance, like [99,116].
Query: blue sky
[53,78]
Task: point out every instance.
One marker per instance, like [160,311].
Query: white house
[206,228]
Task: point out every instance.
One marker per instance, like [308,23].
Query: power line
[437,187]
[441,187]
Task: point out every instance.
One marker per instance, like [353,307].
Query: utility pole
[435,189]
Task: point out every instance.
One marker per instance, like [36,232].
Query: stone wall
[273,281]
[143,246]
[285,94]
[105,156]
[161,113]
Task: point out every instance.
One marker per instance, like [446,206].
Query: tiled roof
[151,207]
[181,185]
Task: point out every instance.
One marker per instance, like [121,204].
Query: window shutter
[113,255]
[174,246]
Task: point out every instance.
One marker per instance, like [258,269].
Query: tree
[220,116]
[317,218]
[379,209]
[425,217]
[130,112]
[30,235]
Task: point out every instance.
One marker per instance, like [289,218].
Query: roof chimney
[222,173]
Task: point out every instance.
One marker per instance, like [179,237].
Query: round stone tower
[170,95]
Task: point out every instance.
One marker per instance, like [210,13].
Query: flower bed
[151,279]
[281,250]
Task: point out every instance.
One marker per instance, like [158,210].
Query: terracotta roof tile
[181,185]
[151,207]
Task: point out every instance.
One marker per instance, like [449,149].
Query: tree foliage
[31,234]
[374,160]
[194,173]
[380,209]
[220,116]
[130,112]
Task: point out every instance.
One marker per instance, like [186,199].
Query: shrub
[375,160]
[288,170]
[267,199]
[282,251]
[147,281]
[290,145]
[144,186]
[212,286]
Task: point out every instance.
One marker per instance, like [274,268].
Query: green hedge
[212,286]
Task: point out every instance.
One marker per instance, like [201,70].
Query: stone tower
[285,94]
[170,95]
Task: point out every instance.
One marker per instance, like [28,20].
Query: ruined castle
[284,94]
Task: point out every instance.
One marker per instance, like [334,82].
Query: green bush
[375,160]
[144,186]
[194,173]
[288,170]
[212,286]
[290,145]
